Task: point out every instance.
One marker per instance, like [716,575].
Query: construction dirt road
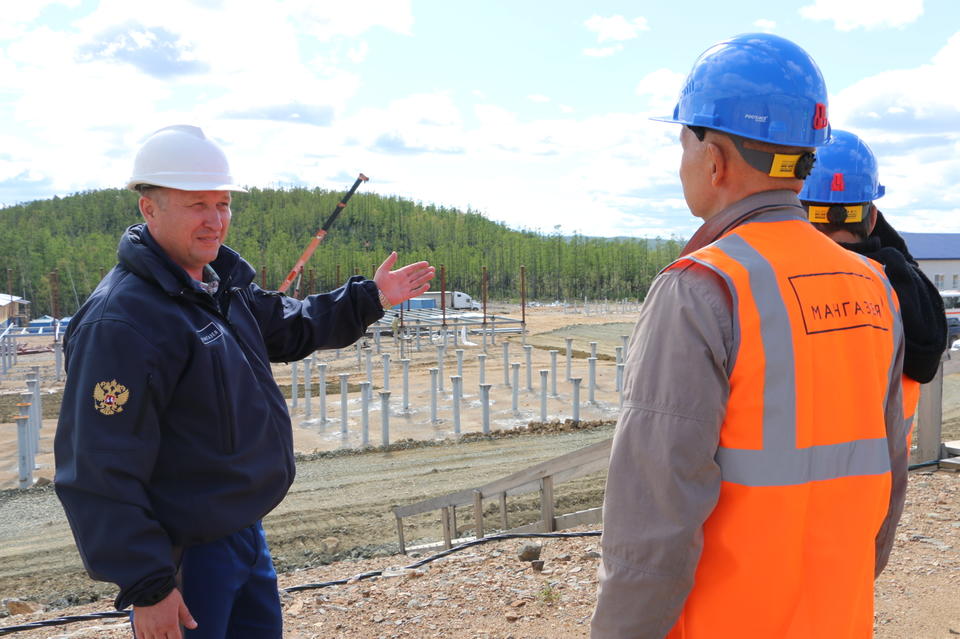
[336,522]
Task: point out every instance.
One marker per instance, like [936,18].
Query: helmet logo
[820,116]
[837,184]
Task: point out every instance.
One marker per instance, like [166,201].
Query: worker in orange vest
[758,468]
[838,196]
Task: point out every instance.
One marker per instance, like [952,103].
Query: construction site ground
[336,521]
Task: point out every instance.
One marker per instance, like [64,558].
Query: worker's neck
[729,195]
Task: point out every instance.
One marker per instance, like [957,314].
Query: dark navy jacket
[172,430]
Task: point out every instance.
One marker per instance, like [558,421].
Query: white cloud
[17,15]
[602,52]
[911,118]
[82,98]
[906,101]
[848,15]
[536,97]
[328,19]
[358,53]
[564,108]
[616,27]
[661,88]
[765,25]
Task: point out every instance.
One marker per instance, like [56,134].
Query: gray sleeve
[897,429]
[663,481]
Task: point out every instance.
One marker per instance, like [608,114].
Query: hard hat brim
[185,185]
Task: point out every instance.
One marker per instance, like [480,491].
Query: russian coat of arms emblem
[109,397]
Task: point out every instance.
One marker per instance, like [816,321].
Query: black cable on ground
[60,621]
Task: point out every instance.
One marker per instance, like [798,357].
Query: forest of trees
[76,236]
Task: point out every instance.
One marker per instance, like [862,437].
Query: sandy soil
[487,592]
[338,511]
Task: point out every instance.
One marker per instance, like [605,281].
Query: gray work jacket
[663,479]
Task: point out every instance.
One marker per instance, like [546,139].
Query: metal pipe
[322,391]
[385,417]
[364,413]
[434,373]
[24,461]
[406,385]
[485,407]
[386,371]
[543,394]
[456,381]
[36,414]
[576,398]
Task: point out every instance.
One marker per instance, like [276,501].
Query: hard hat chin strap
[778,165]
[835,213]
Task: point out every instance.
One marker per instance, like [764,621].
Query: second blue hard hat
[845,173]
[759,86]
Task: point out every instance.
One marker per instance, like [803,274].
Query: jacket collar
[739,213]
[140,254]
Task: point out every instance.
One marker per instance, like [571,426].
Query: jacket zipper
[228,435]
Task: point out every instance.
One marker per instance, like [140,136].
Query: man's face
[189,225]
[694,173]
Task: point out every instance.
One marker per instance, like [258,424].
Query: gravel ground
[486,592]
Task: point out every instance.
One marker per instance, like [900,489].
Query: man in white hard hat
[174,440]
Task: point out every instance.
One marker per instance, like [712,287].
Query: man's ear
[718,163]
[148,208]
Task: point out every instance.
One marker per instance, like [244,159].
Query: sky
[533,113]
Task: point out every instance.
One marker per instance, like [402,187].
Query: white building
[11,309]
[938,255]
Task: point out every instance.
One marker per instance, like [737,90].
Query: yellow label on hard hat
[784,165]
[819,214]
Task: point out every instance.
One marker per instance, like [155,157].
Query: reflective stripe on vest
[780,462]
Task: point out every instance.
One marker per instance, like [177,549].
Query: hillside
[77,235]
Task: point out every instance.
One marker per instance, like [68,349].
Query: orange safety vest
[788,551]
[911,397]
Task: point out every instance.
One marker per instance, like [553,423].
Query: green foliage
[548,594]
[77,236]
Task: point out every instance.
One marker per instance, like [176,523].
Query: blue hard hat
[758,86]
[845,173]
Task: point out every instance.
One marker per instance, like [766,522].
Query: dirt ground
[336,521]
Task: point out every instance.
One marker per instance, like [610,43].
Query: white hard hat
[182,157]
